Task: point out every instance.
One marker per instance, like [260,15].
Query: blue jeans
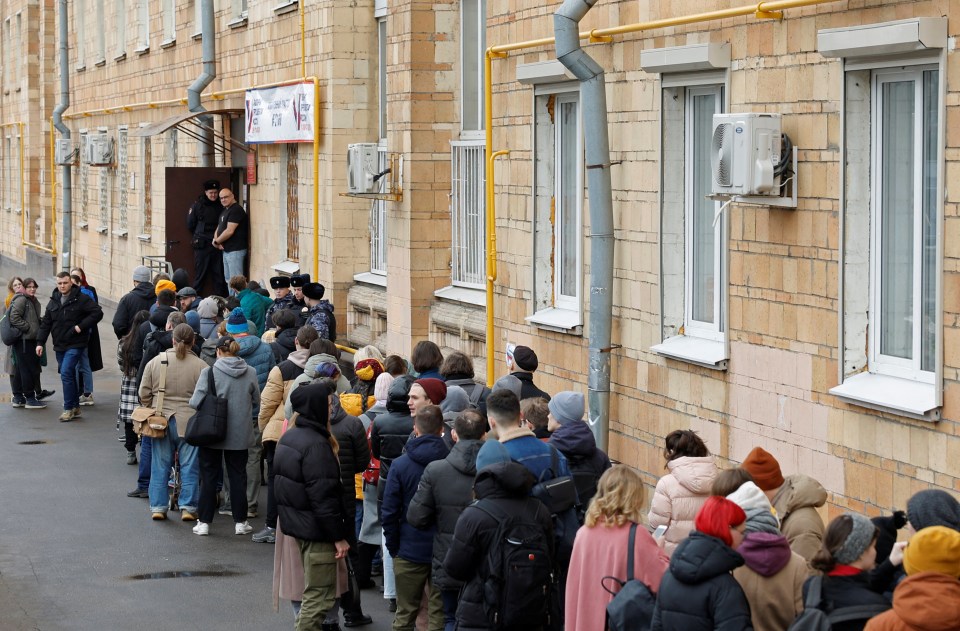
[233,265]
[84,374]
[68,361]
[146,462]
[162,461]
[450,599]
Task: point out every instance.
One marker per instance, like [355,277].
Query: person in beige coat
[795,498]
[681,493]
[271,417]
[773,575]
[182,370]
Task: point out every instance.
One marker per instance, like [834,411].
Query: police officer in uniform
[283,298]
[297,281]
[320,313]
[202,221]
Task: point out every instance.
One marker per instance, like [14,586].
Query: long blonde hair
[619,498]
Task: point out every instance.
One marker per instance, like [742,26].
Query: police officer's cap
[210,185]
[280,282]
[299,280]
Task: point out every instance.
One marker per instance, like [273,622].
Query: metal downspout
[62,106]
[593,104]
[209,45]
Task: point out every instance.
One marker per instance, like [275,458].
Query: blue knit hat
[237,322]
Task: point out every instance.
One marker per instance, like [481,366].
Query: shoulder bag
[9,333]
[151,422]
[208,425]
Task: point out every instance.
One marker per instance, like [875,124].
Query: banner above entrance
[281,114]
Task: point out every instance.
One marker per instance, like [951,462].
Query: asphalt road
[76,553]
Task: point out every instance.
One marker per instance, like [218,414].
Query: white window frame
[169,23]
[197,19]
[477,40]
[880,363]
[696,328]
[382,77]
[143,26]
[120,28]
[239,9]
[80,32]
[468,242]
[19,53]
[101,35]
[561,301]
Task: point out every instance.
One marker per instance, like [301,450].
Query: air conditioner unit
[745,153]
[99,150]
[362,165]
[64,154]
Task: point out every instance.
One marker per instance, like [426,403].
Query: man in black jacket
[157,322]
[310,500]
[446,488]
[69,317]
[392,430]
[202,222]
[140,298]
[523,363]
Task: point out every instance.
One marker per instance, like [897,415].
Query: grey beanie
[858,540]
[756,506]
[141,274]
[933,507]
[456,400]
[566,407]
[510,383]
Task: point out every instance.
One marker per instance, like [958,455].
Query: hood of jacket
[310,368]
[309,423]
[765,553]
[574,438]
[504,479]
[463,456]
[337,413]
[928,601]
[164,339]
[231,366]
[425,449]
[287,338]
[145,290]
[299,358]
[248,344]
[456,400]
[701,557]
[694,474]
[798,491]
[159,316]
[398,394]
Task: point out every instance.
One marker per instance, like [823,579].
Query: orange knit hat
[764,468]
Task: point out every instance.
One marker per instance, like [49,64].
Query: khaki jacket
[275,392]
[182,376]
[796,504]
[775,601]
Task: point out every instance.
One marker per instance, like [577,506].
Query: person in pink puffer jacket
[681,493]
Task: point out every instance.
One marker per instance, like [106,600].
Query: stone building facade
[807,330]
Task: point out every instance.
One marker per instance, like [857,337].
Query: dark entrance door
[183,186]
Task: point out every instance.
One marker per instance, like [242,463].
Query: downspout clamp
[62,107]
[209,45]
[593,103]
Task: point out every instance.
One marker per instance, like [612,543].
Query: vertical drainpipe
[209,44]
[593,104]
[65,249]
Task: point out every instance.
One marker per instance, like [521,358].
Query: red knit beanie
[764,469]
[436,390]
[717,516]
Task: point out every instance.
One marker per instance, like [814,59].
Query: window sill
[120,57]
[142,51]
[287,268]
[370,278]
[170,43]
[902,397]
[100,63]
[238,22]
[467,295]
[120,233]
[144,237]
[287,7]
[562,320]
[102,229]
[83,225]
[80,68]
[694,350]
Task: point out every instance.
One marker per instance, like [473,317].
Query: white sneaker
[243,528]
[201,529]
[86,399]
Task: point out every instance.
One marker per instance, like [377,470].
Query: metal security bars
[467,213]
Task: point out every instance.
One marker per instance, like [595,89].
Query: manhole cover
[32,442]
[183,574]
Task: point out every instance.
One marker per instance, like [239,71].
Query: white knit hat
[760,514]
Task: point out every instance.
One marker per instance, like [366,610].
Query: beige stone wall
[783,275]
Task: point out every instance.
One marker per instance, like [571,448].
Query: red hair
[717,516]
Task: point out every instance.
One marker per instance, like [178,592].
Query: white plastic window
[473,43]
[568,196]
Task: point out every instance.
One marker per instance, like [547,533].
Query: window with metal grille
[104,199]
[468,243]
[146,167]
[84,174]
[378,229]
[291,203]
[122,177]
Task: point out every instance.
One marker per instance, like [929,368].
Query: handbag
[209,424]
[151,422]
[9,333]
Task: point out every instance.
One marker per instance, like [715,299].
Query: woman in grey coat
[25,317]
[237,382]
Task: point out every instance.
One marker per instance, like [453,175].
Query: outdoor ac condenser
[362,166]
[99,150]
[64,154]
[745,152]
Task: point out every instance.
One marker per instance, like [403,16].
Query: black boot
[365,555]
[353,615]
[330,626]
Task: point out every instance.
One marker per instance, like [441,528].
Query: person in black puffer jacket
[506,484]
[699,592]
[445,490]
[354,455]
[392,430]
[284,343]
[140,298]
[573,438]
[310,499]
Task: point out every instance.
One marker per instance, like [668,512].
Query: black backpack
[632,606]
[815,619]
[518,588]
[585,478]
[9,333]
[559,495]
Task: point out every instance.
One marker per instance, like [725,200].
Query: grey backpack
[632,606]
[815,619]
